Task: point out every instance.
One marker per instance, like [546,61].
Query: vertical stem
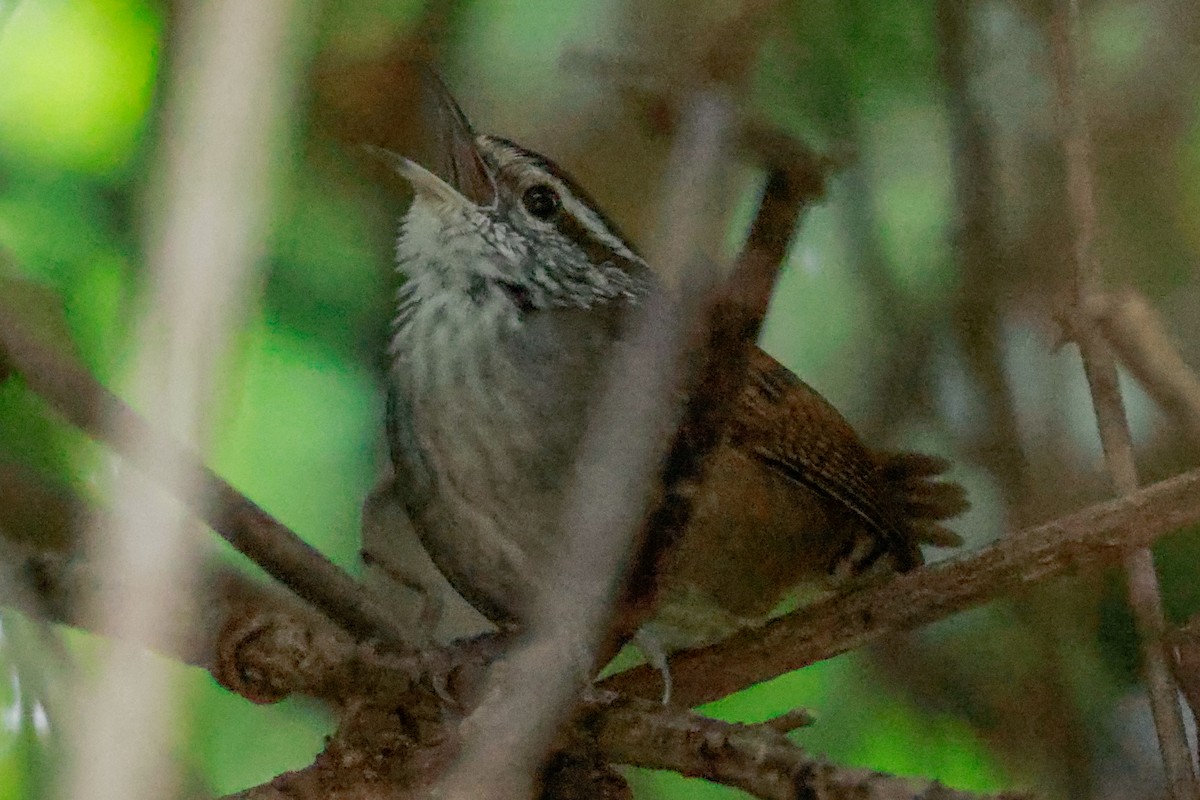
[228,91]
[527,696]
[1100,368]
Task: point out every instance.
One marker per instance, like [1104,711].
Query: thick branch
[1096,536]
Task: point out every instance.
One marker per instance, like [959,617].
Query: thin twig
[791,720]
[1099,366]
[1096,536]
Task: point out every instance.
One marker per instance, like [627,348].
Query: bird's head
[495,219]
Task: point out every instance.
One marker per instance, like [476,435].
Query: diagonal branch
[753,758]
[72,391]
[1093,537]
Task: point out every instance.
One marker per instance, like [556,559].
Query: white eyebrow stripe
[572,205]
[594,225]
[529,171]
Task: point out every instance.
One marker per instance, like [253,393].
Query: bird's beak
[424,182]
[461,164]
[462,176]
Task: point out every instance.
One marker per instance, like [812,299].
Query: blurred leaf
[71,234]
[1177,557]
[301,438]
[821,323]
[332,277]
[16,757]
[78,78]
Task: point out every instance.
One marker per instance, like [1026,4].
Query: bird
[517,288]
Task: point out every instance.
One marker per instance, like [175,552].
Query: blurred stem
[1144,596]
[982,262]
[229,88]
[978,251]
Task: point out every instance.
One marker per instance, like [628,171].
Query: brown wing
[789,427]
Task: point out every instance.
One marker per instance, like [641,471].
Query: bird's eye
[541,201]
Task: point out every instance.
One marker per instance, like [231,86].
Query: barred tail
[922,498]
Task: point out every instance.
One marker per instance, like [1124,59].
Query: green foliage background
[1039,691]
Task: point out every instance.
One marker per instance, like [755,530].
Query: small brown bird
[517,289]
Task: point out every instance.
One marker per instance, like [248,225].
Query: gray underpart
[405,577]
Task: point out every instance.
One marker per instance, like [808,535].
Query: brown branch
[382,730]
[753,758]
[395,723]
[1145,599]
[1096,536]
[72,391]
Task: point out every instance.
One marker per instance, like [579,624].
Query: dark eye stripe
[597,252]
[573,188]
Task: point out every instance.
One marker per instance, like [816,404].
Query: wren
[517,290]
